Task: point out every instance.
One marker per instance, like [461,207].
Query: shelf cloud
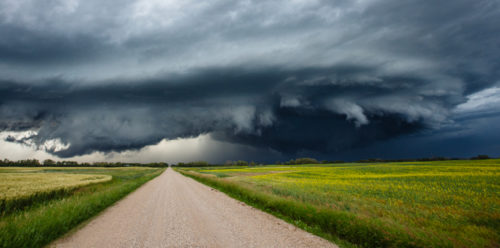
[293,77]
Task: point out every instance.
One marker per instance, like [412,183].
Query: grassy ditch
[45,220]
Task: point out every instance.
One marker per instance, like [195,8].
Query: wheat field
[22,187]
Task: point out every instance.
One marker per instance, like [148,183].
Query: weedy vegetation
[39,204]
[408,204]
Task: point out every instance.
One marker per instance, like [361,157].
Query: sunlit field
[19,188]
[438,204]
[39,204]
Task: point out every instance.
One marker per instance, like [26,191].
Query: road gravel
[175,211]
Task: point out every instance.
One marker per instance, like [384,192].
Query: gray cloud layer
[321,76]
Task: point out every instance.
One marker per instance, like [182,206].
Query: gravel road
[175,211]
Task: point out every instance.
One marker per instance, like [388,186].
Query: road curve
[175,211]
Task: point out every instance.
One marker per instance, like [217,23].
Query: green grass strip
[7,206]
[330,224]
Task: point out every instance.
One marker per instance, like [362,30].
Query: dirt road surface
[175,211]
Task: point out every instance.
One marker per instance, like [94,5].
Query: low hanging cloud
[320,76]
[243,106]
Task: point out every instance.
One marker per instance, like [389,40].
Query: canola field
[438,204]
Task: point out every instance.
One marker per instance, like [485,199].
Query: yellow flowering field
[445,203]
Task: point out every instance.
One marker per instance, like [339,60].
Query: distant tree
[159,164]
[306,161]
[200,163]
[5,162]
[241,163]
[192,164]
[478,157]
[49,162]
[68,163]
[28,162]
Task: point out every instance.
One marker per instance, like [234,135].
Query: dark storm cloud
[19,45]
[319,76]
[243,106]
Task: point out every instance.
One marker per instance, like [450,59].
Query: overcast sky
[151,80]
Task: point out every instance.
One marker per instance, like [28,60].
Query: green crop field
[410,204]
[39,204]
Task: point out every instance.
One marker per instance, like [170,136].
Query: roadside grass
[417,204]
[48,218]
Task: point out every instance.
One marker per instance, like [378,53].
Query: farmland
[39,204]
[18,190]
[410,204]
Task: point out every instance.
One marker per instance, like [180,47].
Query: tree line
[52,163]
[252,163]
[297,161]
